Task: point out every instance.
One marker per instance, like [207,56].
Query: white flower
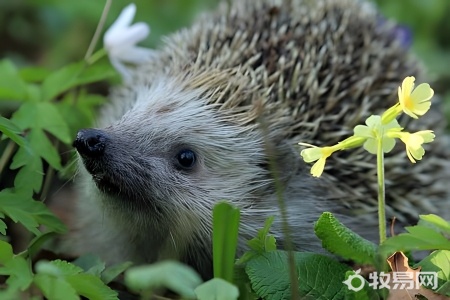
[120,42]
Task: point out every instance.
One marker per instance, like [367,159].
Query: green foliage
[431,233]
[48,112]
[167,274]
[320,277]
[225,240]
[263,242]
[439,262]
[61,280]
[217,289]
[342,241]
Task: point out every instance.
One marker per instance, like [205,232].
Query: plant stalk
[381,190]
[6,156]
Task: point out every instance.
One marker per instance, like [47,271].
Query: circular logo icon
[353,286]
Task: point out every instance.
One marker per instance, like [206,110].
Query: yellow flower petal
[427,135]
[317,168]
[414,102]
[408,85]
[311,154]
[423,92]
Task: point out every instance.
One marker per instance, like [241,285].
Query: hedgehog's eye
[186,158]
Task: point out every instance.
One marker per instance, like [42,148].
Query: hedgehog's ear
[282,161]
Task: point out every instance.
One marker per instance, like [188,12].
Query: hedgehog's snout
[91,143]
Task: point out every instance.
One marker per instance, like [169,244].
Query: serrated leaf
[91,264]
[12,131]
[55,288]
[91,287]
[12,87]
[177,277]
[439,262]
[340,240]
[58,268]
[44,116]
[217,289]
[320,277]
[28,212]
[18,271]
[79,112]
[112,272]
[31,175]
[44,148]
[225,239]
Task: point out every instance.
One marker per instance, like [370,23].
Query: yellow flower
[414,102]
[375,130]
[319,154]
[413,142]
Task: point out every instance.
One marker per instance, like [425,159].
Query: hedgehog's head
[172,153]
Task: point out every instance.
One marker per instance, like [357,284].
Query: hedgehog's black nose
[90,142]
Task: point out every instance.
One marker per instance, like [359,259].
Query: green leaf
[169,274]
[28,212]
[418,237]
[58,268]
[6,252]
[320,277]
[91,287]
[12,87]
[363,290]
[61,80]
[439,262]
[79,110]
[55,288]
[436,222]
[217,289]
[36,244]
[90,263]
[3,226]
[31,175]
[72,279]
[74,75]
[225,240]
[18,271]
[12,131]
[33,74]
[342,241]
[263,242]
[44,148]
[112,272]
[44,116]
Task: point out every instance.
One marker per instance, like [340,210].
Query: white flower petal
[130,36]
[123,21]
[137,55]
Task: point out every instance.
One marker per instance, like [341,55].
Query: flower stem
[96,56]
[381,190]
[98,30]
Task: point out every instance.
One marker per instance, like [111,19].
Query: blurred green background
[52,33]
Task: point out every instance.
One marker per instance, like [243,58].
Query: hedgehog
[217,115]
